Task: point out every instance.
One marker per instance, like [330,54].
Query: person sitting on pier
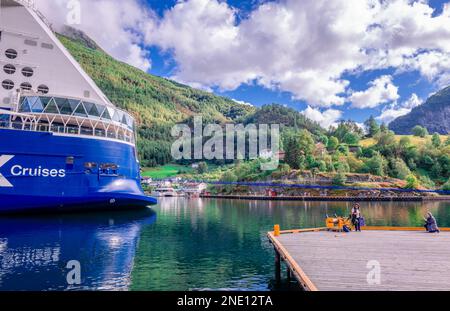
[356,217]
[430,223]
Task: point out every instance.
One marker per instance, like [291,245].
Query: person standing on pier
[430,223]
[356,217]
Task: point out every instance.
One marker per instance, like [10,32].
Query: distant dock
[330,198]
[376,259]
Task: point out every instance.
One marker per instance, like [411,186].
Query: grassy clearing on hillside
[214,172]
[166,171]
[415,140]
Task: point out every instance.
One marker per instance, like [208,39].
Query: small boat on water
[164,192]
[194,190]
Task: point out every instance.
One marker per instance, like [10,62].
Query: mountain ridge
[434,115]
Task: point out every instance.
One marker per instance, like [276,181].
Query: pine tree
[372,127]
[294,153]
[436,140]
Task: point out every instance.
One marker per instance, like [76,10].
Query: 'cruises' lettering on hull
[18,170]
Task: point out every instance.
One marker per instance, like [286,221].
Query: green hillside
[286,116]
[415,140]
[156,103]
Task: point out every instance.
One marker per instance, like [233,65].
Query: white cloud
[288,46]
[412,102]
[306,48]
[389,115]
[406,24]
[381,91]
[433,65]
[302,47]
[117,26]
[361,126]
[326,118]
[392,112]
[315,89]
[242,102]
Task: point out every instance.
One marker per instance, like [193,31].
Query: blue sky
[331,60]
[408,83]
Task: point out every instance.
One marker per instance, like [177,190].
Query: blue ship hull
[45,171]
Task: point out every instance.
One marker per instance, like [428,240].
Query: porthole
[9,69]
[27,72]
[43,89]
[8,84]
[47,46]
[26,86]
[11,54]
[30,42]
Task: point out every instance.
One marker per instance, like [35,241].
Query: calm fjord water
[178,245]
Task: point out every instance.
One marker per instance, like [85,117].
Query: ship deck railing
[30,122]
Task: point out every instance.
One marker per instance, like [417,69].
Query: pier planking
[410,260]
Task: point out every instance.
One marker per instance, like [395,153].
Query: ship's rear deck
[408,260]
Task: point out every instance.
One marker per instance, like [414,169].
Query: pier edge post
[288,274]
[277,267]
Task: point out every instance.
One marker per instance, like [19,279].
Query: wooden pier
[376,259]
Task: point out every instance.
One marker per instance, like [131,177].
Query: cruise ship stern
[63,144]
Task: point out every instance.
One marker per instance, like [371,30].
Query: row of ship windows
[11,69]
[104,168]
[9,85]
[90,167]
[26,71]
[12,54]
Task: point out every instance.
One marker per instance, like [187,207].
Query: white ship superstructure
[44,87]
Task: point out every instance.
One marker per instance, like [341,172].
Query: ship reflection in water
[35,251]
